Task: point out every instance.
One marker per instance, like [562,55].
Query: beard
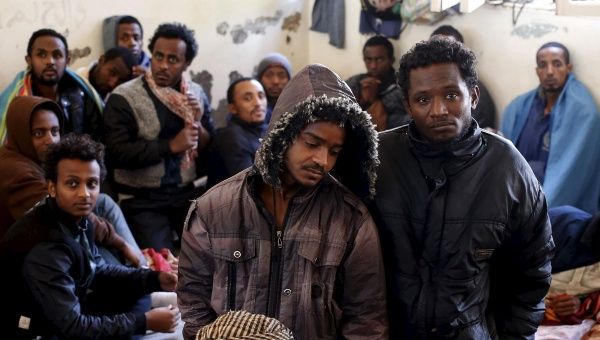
[45,81]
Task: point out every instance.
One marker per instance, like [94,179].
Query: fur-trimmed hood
[318,94]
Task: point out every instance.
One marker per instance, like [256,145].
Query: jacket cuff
[152,282]
[163,148]
[140,323]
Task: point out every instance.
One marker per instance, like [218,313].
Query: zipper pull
[279,240]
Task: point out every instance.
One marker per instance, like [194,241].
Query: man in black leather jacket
[463,220]
[58,285]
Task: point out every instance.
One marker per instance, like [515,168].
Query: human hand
[131,255]
[138,70]
[186,139]
[174,265]
[168,281]
[162,319]
[369,88]
[564,304]
[194,103]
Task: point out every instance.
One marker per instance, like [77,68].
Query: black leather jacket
[51,274]
[465,236]
[81,114]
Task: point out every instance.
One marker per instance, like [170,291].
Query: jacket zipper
[231,285]
[276,272]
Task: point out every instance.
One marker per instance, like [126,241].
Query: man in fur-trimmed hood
[290,238]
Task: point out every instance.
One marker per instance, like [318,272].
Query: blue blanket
[573,170]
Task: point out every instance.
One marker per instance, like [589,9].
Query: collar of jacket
[303,195]
[65,219]
[453,156]
[257,129]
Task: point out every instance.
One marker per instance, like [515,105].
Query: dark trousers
[154,215]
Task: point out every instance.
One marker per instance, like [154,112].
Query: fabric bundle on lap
[243,325]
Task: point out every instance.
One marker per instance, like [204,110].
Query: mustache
[314,167]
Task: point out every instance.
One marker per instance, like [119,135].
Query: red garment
[587,310]
[159,261]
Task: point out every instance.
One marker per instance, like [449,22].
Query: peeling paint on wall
[204,78]
[292,22]
[239,33]
[222,28]
[533,30]
[77,53]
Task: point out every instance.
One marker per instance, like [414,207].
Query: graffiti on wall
[46,13]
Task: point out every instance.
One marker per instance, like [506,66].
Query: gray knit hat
[241,325]
[273,59]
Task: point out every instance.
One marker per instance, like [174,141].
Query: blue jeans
[108,209]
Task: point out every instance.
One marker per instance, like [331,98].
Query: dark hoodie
[110,39]
[322,276]
[22,182]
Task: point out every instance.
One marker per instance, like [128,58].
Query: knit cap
[273,59]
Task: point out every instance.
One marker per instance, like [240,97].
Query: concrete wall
[253,28]
[506,53]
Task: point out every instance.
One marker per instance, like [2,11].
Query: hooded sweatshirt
[322,274]
[109,38]
[22,182]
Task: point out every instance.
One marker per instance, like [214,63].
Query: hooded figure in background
[22,181]
[290,237]
[34,123]
[126,31]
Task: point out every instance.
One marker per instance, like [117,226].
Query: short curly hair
[176,31]
[73,146]
[438,51]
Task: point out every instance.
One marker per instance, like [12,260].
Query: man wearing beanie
[273,72]
[290,238]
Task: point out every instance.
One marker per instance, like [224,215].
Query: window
[578,7]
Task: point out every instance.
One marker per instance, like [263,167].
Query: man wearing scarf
[156,125]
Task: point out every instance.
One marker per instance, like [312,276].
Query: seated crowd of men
[319,193]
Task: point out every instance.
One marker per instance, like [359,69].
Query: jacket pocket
[321,268]
[234,268]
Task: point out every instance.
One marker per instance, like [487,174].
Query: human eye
[55,131]
[157,56]
[173,60]
[335,151]
[92,184]
[311,144]
[452,96]
[71,183]
[41,54]
[57,54]
[422,100]
[37,133]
